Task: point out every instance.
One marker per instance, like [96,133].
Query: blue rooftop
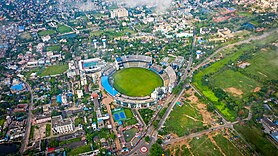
[119,59]
[17,87]
[59,98]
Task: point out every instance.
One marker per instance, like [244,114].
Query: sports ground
[136,81]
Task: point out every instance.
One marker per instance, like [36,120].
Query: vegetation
[226,146]
[156,150]
[146,114]
[80,149]
[184,120]
[203,146]
[257,139]
[48,130]
[32,132]
[54,48]
[131,120]
[136,81]
[54,70]
[46,32]
[129,134]
[242,84]
[65,142]
[264,65]
[63,29]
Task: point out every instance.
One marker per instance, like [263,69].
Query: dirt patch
[257,89]
[234,91]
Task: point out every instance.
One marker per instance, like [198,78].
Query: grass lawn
[264,65]
[129,134]
[2,121]
[69,141]
[48,130]
[180,123]
[226,146]
[54,48]
[54,70]
[32,132]
[136,81]
[203,146]
[245,14]
[46,32]
[131,120]
[63,29]
[146,114]
[26,36]
[197,81]
[256,138]
[80,149]
[236,80]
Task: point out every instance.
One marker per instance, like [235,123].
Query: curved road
[252,38]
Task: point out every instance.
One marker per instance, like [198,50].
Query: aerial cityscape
[138,77]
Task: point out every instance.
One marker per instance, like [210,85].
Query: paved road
[25,139]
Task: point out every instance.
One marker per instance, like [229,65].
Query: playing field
[136,81]
[54,70]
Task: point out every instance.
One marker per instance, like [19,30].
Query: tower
[104,42]
[95,43]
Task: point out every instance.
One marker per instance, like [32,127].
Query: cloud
[161,5]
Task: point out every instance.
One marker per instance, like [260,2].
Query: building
[121,12]
[91,65]
[61,126]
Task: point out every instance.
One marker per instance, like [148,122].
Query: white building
[61,126]
[121,12]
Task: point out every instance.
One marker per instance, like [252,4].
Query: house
[269,125]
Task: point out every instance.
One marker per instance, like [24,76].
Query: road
[198,134]
[253,38]
[25,139]
[150,129]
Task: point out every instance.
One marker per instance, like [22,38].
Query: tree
[156,150]
[147,139]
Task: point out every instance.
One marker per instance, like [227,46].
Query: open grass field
[184,120]
[197,81]
[131,120]
[46,32]
[136,81]
[54,48]
[226,146]
[54,70]
[237,85]
[264,65]
[129,134]
[80,149]
[257,140]
[63,29]
[203,146]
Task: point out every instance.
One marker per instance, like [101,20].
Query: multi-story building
[61,126]
[121,12]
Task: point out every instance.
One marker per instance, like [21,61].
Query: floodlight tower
[95,43]
[104,42]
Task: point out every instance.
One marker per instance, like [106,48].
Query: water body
[11,149]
